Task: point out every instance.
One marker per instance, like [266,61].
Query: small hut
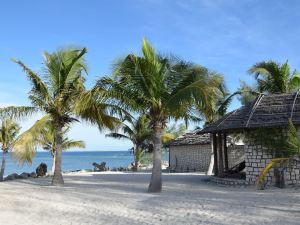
[193,152]
[269,111]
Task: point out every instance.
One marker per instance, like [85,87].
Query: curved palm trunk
[57,179]
[136,158]
[3,165]
[156,182]
[53,164]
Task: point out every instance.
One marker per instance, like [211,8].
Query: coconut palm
[8,134]
[57,93]
[138,132]
[173,132]
[47,142]
[273,77]
[216,108]
[164,87]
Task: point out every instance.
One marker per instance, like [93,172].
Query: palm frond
[273,77]
[38,86]
[24,148]
[68,144]
[166,137]
[17,112]
[117,136]
[261,178]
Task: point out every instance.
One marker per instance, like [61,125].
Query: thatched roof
[191,139]
[265,111]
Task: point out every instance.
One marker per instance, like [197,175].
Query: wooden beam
[225,151]
[220,154]
[215,150]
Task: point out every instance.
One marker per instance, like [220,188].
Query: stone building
[193,152]
[267,111]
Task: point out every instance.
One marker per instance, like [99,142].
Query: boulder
[100,167]
[24,175]
[12,176]
[41,170]
[131,167]
[33,175]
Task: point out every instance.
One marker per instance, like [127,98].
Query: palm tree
[173,132]
[273,77]
[8,134]
[162,86]
[138,132]
[247,93]
[57,92]
[47,141]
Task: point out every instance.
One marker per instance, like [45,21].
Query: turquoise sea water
[73,160]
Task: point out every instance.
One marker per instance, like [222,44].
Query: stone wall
[257,157]
[185,158]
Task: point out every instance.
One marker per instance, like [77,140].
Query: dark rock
[131,167]
[33,175]
[100,167]
[41,170]
[24,175]
[12,176]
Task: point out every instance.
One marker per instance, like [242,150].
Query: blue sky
[227,36]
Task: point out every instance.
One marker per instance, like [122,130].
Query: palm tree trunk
[136,158]
[53,164]
[156,182]
[57,179]
[3,165]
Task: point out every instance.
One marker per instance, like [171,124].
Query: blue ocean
[73,160]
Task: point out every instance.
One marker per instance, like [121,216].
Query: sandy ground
[121,198]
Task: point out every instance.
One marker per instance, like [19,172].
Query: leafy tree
[138,132]
[273,77]
[58,92]
[173,132]
[47,142]
[247,93]
[9,131]
[162,86]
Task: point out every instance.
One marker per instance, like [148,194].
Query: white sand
[120,198]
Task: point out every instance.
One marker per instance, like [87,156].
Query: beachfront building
[193,152]
[268,111]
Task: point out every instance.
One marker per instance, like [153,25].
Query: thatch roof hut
[191,139]
[265,111]
[193,152]
[190,152]
[273,110]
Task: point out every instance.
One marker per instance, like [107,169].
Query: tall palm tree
[163,86]
[273,77]
[57,92]
[138,132]
[8,134]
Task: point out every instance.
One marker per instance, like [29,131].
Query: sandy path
[119,198]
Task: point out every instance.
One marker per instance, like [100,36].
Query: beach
[121,198]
